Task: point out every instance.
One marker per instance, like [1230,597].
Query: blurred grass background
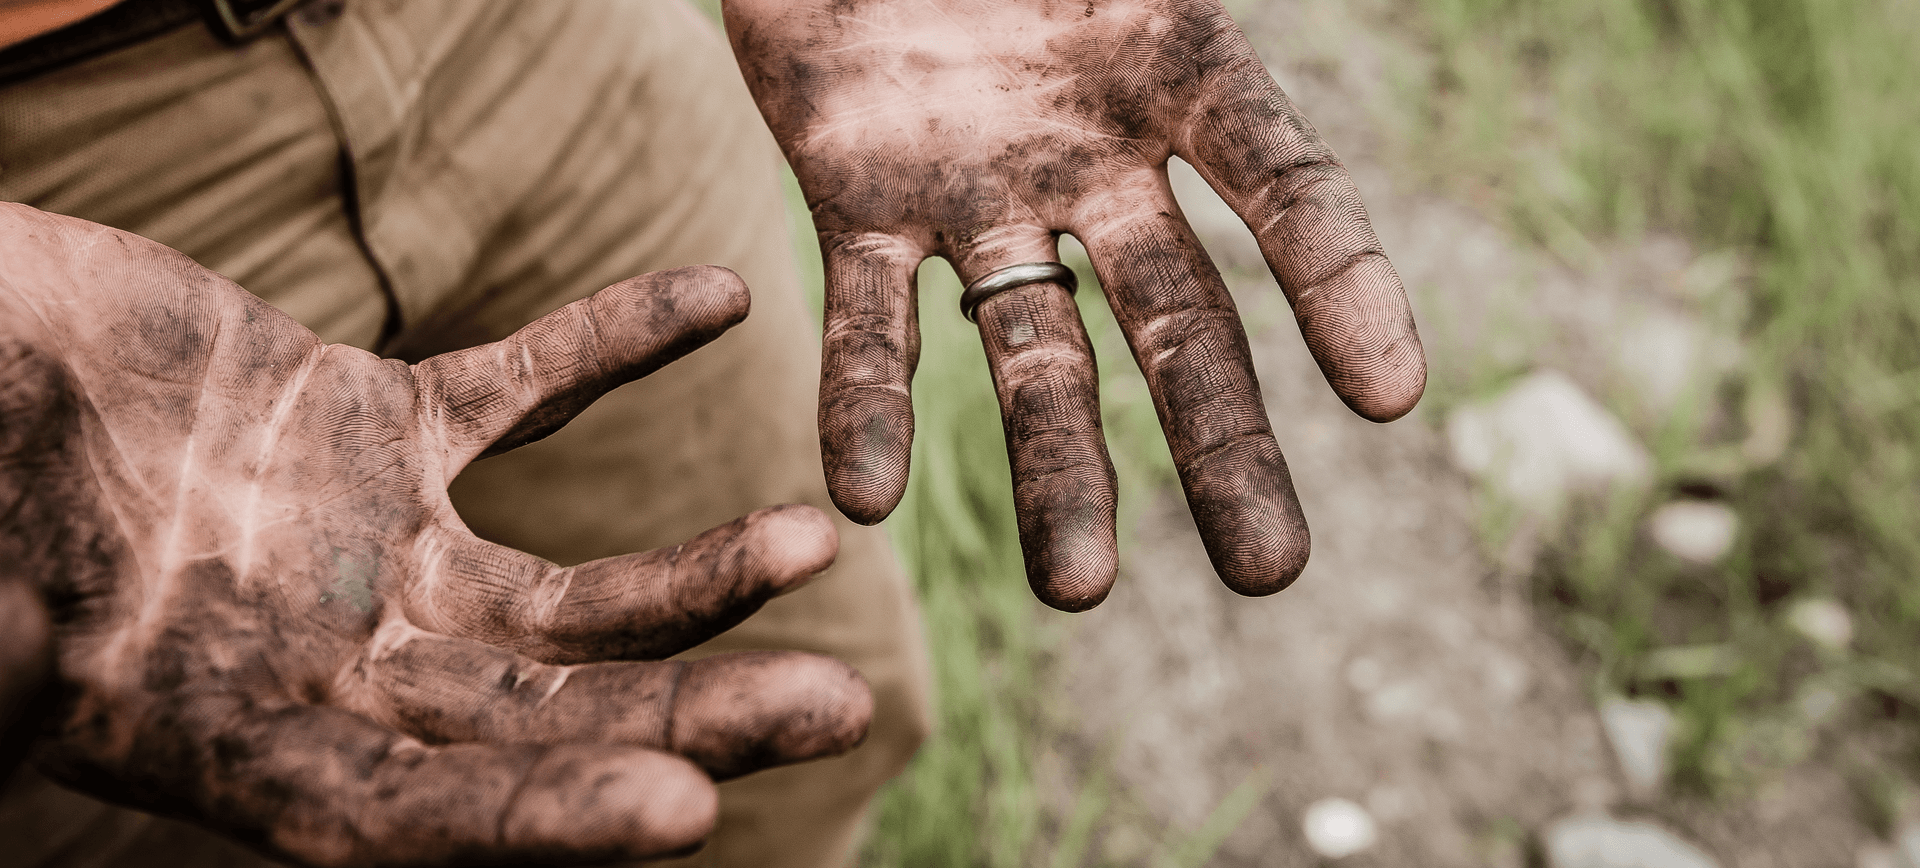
[1783,133]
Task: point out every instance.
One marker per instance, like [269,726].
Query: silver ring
[1014,277]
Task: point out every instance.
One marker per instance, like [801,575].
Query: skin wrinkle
[1339,270]
[118,509]
[1174,331]
[183,689]
[1297,191]
[544,601]
[170,558]
[672,703]
[269,439]
[559,680]
[508,807]
[1032,361]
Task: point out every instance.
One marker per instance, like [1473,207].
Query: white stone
[1817,701]
[1337,828]
[1660,354]
[1639,731]
[1700,531]
[1907,838]
[1543,440]
[1824,622]
[1877,855]
[1599,841]
[1401,699]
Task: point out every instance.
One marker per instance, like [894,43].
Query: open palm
[267,618]
[980,130]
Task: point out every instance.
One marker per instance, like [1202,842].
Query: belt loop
[238,22]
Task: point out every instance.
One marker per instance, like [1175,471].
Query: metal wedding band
[1014,277]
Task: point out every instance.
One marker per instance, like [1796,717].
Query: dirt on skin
[1405,670]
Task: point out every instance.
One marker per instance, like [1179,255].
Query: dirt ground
[1405,670]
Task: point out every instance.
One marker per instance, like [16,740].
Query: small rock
[1337,828]
[1660,353]
[1639,732]
[1907,838]
[1824,622]
[1700,531]
[1817,701]
[1398,700]
[1599,841]
[1544,439]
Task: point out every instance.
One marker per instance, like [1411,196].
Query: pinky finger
[323,786]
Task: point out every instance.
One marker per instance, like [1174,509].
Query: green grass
[1783,132]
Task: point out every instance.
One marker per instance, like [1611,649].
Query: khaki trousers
[423,176]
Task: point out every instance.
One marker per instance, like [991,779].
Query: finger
[1064,489]
[640,606]
[506,394]
[869,347]
[731,714]
[325,786]
[1186,335]
[1250,143]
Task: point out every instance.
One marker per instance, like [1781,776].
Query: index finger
[1256,150]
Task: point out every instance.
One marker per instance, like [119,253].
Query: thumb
[499,396]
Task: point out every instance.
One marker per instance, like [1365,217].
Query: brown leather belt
[121,25]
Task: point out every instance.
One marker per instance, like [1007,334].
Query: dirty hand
[265,617]
[979,130]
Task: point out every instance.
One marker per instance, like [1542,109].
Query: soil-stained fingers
[640,606]
[326,787]
[870,344]
[1250,143]
[1186,335]
[1064,489]
[731,714]
[495,397]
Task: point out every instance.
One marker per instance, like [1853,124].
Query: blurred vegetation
[1779,135]
[1782,134]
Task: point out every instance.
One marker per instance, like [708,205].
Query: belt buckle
[237,21]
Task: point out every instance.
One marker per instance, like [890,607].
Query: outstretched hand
[264,615]
[979,130]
